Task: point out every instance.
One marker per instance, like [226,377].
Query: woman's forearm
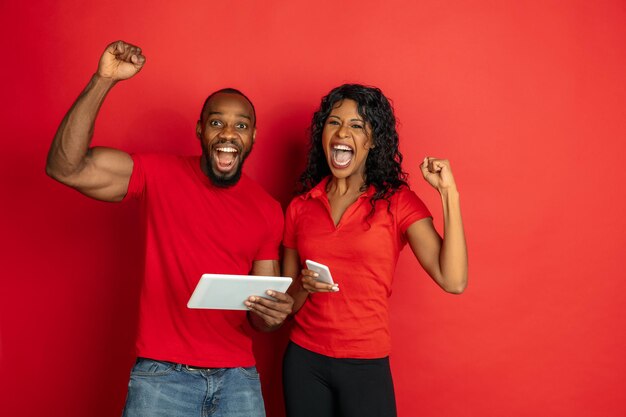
[453,255]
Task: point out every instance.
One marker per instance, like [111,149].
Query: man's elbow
[52,172]
[58,175]
[63,175]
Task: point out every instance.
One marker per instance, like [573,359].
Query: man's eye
[215,123]
[242,126]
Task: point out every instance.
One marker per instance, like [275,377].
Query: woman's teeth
[342,155]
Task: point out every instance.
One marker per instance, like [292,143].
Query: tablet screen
[228,292]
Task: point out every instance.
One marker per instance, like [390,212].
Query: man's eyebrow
[245,116]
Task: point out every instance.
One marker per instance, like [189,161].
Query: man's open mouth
[225,157]
[341,155]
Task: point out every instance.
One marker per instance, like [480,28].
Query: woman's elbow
[457,287]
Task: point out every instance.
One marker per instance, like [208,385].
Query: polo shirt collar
[320,190]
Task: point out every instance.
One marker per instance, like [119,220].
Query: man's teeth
[226,156]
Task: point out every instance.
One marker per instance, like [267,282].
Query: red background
[527,100]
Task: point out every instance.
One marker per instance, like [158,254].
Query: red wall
[527,99]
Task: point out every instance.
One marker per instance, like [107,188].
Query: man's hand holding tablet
[230,292]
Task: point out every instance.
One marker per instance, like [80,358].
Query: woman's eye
[357,127]
[333,122]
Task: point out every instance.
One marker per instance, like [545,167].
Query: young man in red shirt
[201,214]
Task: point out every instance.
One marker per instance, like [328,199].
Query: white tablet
[228,292]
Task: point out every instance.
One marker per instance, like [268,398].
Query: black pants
[320,386]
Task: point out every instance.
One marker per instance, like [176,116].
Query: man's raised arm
[101,173]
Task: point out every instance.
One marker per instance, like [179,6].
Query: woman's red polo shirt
[361,253]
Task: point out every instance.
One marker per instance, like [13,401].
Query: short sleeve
[410,209]
[271,246]
[290,237]
[137,183]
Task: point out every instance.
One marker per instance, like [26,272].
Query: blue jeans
[173,390]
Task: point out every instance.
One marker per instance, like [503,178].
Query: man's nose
[228,132]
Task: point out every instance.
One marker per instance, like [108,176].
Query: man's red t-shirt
[361,253]
[193,227]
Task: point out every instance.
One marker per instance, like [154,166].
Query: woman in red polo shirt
[355,212]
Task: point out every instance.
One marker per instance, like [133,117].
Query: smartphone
[322,270]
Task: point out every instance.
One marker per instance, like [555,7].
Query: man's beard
[224,180]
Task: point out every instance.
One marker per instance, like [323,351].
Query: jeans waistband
[178,366]
[195,368]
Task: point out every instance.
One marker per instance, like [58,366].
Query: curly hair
[383,167]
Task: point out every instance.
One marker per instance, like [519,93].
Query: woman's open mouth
[341,155]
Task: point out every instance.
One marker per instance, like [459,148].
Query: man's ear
[253,135]
[199,129]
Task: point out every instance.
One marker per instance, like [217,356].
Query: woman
[354,214]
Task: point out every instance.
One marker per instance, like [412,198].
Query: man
[201,215]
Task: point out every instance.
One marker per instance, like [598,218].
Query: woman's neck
[342,186]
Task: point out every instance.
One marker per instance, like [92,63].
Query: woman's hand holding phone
[317,278]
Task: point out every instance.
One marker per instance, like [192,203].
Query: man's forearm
[71,142]
[259,324]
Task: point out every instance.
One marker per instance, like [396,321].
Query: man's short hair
[228,91]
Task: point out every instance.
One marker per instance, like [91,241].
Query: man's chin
[220,179]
